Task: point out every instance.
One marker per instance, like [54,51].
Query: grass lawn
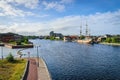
[12,71]
[114,44]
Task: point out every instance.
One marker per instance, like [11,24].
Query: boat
[86,41]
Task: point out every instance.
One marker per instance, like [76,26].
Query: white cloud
[5,28]
[67,1]
[27,3]
[53,5]
[41,16]
[99,23]
[7,9]
[57,5]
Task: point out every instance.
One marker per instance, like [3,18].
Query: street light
[2,52]
[28,55]
[37,54]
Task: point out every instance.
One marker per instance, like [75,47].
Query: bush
[109,40]
[26,41]
[10,58]
[82,37]
[18,43]
[52,38]
[1,64]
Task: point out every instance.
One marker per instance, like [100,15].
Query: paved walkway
[43,73]
[32,74]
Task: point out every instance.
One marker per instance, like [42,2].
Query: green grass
[12,71]
[22,43]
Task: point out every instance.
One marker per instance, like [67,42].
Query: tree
[113,40]
[26,41]
[82,37]
[10,58]
[18,42]
[52,38]
[109,40]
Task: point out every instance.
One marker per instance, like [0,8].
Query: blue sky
[39,17]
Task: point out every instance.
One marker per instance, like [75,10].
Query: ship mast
[86,29]
[81,29]
[89,32]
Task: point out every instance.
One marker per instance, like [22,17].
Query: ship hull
[85,41]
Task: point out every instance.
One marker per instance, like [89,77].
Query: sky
[39,17]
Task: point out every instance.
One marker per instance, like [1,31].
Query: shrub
[10,58]
[26,41]
[82,37]
[109,40]
[52,38]
[1,64]
[18,43]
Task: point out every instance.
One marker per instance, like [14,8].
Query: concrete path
[32,74]
[43,73]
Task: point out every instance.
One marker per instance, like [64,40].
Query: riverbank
[112,44]
[18,46]
[13,46]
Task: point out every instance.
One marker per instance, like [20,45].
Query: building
[70,38]
[67,39]
[101,38]
[56,35]
[107,36]
[7,37]
[52,33]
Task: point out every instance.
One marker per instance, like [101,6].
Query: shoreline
[19,46]
[11,46]
[112,44]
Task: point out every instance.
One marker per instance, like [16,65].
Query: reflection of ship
[88,39]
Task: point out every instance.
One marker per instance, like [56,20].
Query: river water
[73,61]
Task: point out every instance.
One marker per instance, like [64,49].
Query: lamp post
[37,55]
[2,52]
[28,55]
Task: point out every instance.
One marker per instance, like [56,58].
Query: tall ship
[87,39]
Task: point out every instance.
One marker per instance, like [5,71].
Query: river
[73,61]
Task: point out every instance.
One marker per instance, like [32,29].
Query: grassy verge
[12,71]
[114,44]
